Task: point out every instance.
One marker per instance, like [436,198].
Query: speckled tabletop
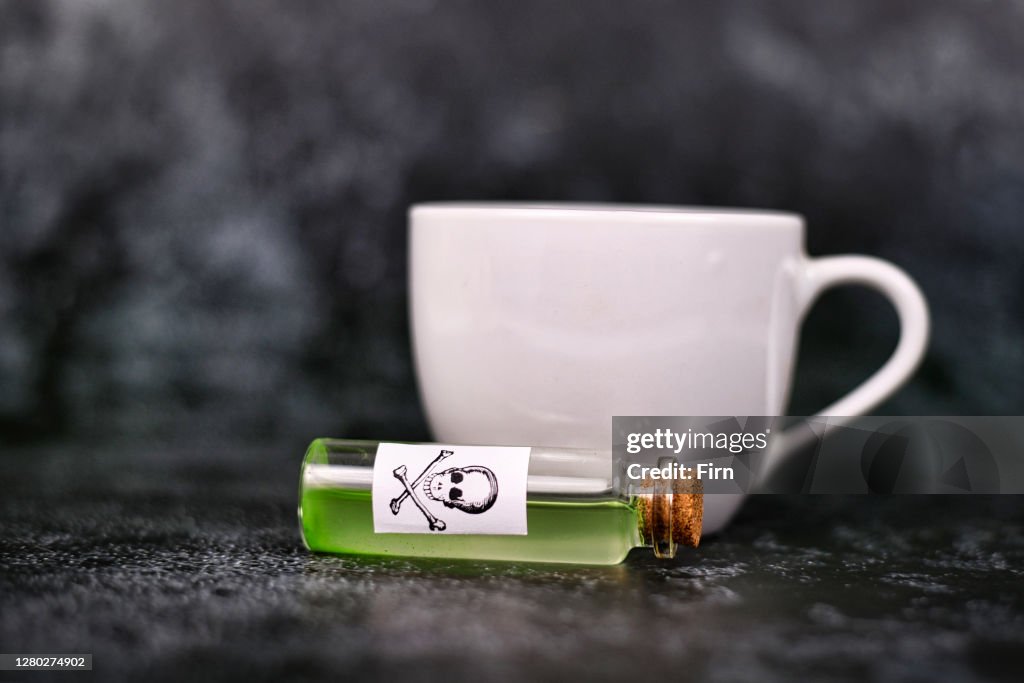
[185,564]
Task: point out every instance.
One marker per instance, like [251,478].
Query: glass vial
[577,509]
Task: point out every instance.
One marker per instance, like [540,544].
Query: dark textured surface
[194,571]
[202,202]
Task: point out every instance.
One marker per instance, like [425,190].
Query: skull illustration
[471,489]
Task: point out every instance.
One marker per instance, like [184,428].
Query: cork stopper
[671,515]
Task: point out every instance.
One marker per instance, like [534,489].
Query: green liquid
[341,521]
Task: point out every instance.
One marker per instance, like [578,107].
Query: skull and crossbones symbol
[471,489]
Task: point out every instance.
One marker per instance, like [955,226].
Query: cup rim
[648,212]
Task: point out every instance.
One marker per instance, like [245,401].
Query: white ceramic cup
[534,324]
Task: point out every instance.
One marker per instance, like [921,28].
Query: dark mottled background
[203,265]
[202,203]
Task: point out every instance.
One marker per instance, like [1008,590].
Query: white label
[436,489]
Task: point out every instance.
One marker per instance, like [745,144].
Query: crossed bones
[400,473]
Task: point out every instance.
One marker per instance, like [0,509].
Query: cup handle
[817,275]
[911,308]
